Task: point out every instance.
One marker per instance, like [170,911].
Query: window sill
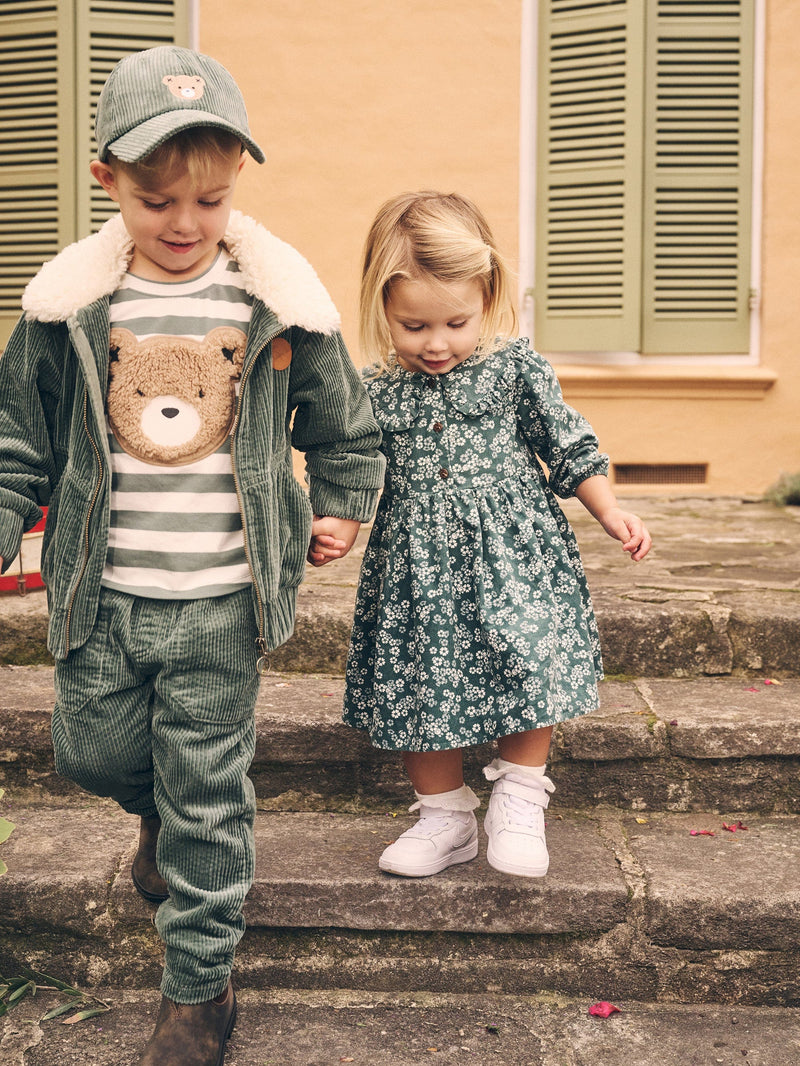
[666,382]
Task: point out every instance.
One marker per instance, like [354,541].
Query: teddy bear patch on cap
[184,86]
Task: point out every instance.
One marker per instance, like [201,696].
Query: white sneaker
[514,824]
[439,839]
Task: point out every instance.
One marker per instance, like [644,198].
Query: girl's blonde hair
[439,237]
[195,151]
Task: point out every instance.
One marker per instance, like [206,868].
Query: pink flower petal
[603,1009]
[732,828]
[701,833]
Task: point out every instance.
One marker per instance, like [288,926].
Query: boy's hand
[331,538]
[628,528]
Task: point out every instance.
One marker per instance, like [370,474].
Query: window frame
[528,157]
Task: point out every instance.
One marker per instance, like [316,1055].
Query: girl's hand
[331,538]
[596,496]
[629,528]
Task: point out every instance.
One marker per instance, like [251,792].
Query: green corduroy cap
[152,95]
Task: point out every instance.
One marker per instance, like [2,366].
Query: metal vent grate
[660,473]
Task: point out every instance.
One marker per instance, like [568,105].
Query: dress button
[431,382]
[443,474]
[437,427]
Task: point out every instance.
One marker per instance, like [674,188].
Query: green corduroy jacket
[53,438]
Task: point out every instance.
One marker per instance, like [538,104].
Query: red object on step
[24,574]
[603,1009]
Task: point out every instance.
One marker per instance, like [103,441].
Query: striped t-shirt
[176,351]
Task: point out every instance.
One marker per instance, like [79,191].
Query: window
[54,57]
[644,173]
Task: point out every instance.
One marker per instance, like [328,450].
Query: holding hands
[331,538]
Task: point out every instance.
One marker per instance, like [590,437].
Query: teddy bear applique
[185,86]
[171,400]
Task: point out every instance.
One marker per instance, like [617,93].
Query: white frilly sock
[526,782]
[459,799]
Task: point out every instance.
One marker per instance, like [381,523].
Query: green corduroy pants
[156,710]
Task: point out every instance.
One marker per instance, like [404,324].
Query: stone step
[719,595]
[663,744]
[634,907]
[278,1028]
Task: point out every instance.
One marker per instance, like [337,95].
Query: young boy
[150,395]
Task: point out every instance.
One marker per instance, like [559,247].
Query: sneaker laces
[522,798]
[526,814]
[429,825]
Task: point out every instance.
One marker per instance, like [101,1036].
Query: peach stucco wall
[779,425]
[356,101]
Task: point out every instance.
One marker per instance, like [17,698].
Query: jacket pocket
[64,550]
[278,517]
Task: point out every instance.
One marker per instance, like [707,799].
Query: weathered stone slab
[61,865]
[627,909]
[342,887]
[653,744]
[736,891]
[730,720]
[277,1028]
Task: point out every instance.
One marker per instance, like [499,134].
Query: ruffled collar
[472,388]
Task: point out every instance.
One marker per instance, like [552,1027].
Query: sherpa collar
[272,271]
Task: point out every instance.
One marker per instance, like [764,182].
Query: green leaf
[45,979]
[57,1011]
[23,990]
[6,829]
[16,982]
[84,1014]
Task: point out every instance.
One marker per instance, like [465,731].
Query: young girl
[473,621]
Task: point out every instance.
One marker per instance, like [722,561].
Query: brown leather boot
[146,879]
[192,1035]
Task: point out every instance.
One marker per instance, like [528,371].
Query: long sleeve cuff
[10,537]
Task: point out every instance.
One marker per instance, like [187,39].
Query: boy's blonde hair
[439,237]
[195,152]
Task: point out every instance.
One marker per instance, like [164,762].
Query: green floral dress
[473,618]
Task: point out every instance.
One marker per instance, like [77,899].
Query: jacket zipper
[99,461]
[263,664]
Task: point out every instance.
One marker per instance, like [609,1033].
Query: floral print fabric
[473,618]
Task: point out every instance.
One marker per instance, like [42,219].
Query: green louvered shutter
[108,30]
[54,57]
[698,174]
[588,218]
[37,191]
